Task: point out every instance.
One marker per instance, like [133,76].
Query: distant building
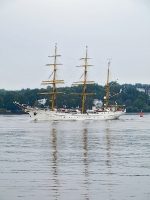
[147,91]
[141,89]
[97,104]
[42,101]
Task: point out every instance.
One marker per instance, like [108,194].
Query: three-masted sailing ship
[107,113]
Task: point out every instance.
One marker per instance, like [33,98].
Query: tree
[138,103]
[130,96]
[128,103]
[129,109]
[31,99]
[1,102]
[8,100]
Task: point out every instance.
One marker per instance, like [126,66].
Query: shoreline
[22,113]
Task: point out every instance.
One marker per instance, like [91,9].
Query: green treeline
[129,96]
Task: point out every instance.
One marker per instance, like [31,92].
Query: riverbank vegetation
[126,94]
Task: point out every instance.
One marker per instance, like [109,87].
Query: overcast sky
[112,29]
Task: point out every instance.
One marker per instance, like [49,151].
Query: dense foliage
[127,95]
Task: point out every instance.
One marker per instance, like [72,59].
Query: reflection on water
[108,160]
[107,149]
[75,160]
[54,163]
[85,161]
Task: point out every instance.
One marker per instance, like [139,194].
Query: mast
[106,98]
[85,82]
[54,81]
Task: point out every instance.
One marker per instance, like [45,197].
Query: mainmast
[54,81]
[106,98]
[85,82]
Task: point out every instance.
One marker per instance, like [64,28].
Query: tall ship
[107,113]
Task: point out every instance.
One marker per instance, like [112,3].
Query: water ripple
[75,160]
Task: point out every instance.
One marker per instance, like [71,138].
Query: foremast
[53,82]
[85,82]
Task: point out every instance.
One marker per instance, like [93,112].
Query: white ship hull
[54,116]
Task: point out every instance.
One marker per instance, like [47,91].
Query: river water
[82,160]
